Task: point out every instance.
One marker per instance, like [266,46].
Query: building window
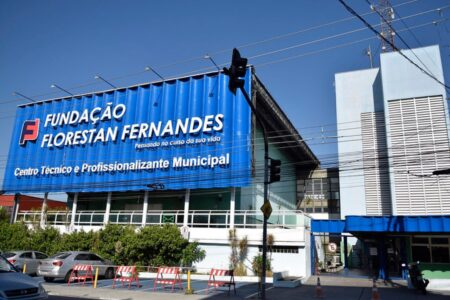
[281,249]
[318,195]
[431,249]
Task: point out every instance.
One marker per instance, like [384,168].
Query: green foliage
[4,216]
[108,238]
[257,264]
[46,240]
[192,254]
[79,241]
[149,246]
[13,237]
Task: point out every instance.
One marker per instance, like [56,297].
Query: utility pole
[235,72]
[386,12]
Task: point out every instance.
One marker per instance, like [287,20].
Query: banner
[180,134]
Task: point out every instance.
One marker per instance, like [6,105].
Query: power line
[353,12]
[388,23]
[242,46]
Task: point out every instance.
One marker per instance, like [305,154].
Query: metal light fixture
[212,60]
[147,68]
[105,81]
[23,96]
[60,88]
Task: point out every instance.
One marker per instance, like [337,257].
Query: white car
[15,285]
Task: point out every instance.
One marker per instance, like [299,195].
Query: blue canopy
[388,224]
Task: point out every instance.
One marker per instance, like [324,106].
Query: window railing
[196,218]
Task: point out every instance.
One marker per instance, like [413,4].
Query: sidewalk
[336,288]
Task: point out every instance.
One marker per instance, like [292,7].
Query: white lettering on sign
[136,131]
[74,117]
[177,163]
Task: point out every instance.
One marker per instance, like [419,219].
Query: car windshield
[9,254]
[5,266]
[60,255]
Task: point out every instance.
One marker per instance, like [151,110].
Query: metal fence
[196,218]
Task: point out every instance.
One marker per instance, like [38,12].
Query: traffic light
[275,169]
[236,70]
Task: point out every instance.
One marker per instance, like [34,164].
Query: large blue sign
[186,133]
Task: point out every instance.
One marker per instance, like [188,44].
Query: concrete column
[345,253]
[108,209]
[145,209]
[43,209]
[74,211]
[186,207]
[232,206]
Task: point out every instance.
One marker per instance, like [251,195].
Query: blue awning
[329,226]
[387,224]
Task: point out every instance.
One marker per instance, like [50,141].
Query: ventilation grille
[376,168]
[419,145]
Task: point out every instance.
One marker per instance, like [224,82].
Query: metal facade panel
[327,226]
[224,138]
[419,145]
[398,224]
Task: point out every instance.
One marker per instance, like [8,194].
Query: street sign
[266,208]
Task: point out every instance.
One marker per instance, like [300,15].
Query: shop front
[382,247]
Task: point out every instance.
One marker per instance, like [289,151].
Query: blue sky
[68,42]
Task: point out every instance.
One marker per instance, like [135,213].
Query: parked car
[29,258]
[16,285]
[60,265]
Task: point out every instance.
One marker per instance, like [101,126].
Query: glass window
[421,253]
[439,241]
[61,255]
[317,186]
[420,240]
[94,257]
[324,186]
[334,180]
[5,266]
[26,255]
[9,254]
[40,255]
[440,254]
[82,256]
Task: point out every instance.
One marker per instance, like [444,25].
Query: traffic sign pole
[237,70]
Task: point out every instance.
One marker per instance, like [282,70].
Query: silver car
[60,265]
[29,258]
[15,285]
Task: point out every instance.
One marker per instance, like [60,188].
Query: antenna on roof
[386,12]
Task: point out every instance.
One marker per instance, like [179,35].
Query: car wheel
[67,277]
[49,279]
[109,274]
